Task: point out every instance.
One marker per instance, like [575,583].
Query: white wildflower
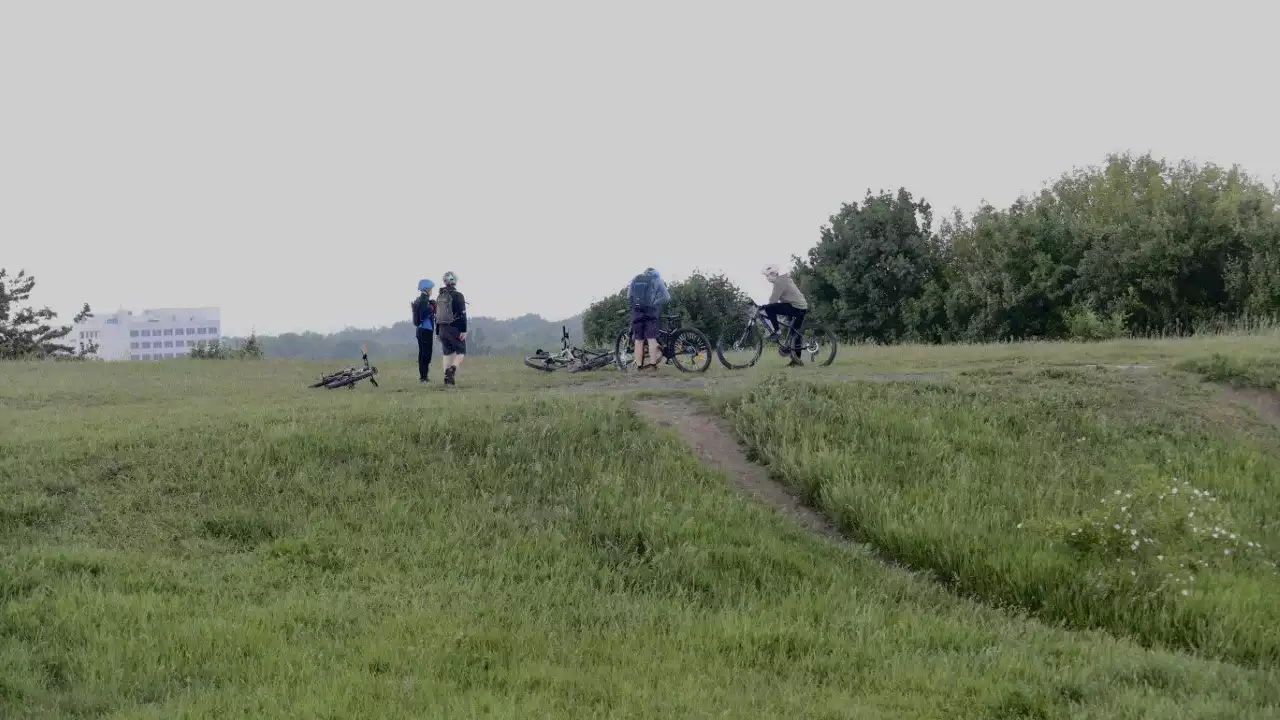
[1234,536]
[1160,558]
[1173,491]
[1116,526]
[1186,592]
[1226,552]
[1132,531]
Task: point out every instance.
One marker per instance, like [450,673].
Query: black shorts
[450,343]
[644,325]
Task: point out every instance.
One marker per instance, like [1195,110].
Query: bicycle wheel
[818,345]
[591,361]
[739,347]
[691,350]
[546,363]
[624,351]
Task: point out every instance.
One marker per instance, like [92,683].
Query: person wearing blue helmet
[645,298]
[424,318]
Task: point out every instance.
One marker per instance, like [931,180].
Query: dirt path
[1264,401]
[716,447]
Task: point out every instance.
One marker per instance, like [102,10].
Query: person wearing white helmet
[786,299]
[451,326]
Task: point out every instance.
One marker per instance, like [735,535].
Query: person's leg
[649,334]
[424,354]
[797,329]
[446,353]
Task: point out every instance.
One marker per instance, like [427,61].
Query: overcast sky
[303,164]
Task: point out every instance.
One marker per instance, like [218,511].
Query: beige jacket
[785,291]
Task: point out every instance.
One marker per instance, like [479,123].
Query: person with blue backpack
[645,298]
[424,318]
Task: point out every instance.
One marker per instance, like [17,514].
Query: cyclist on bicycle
[786,299]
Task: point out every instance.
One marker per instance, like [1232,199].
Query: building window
[191,331]
[133,346]
[146,333]
[168,332]
[133,333]
[168,343]
[146,357]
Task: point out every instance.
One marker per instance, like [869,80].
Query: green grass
[1009,486]
[1258,372]
[213,540]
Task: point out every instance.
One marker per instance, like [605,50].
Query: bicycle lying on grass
[348,377]
[740,345]
[687,348]
[575,359]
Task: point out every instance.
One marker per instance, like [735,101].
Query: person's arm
[664,295]
[460,311]
[776,295]
[416,305]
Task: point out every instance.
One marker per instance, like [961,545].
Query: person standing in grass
[786,299]
[451,327]
[424,316]
[645,298]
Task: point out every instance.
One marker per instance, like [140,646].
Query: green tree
[868,273]
[708,302]
[1137,242]
[604,318]
[28,333]
[703,301]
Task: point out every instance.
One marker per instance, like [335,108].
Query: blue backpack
[644,292]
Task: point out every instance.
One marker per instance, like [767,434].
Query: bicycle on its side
[685,347]
[348,377]
[741,344]
[574,358]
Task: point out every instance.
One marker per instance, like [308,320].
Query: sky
[302,164]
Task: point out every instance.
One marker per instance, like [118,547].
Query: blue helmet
[425,285]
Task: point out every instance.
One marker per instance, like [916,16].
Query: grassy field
[210,539]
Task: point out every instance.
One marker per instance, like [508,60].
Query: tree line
[1134,246]
[1137,245]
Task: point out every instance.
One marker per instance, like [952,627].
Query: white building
[156,334]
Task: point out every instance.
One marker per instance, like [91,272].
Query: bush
[1085,324]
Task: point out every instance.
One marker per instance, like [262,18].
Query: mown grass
[212,540]
[1054,490]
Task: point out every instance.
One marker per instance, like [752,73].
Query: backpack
[644,292]
[444,307]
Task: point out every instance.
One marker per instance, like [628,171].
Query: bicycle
[576,359]
[348,377]
[673,343]
[749,338]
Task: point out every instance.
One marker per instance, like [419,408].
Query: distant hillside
[486,336]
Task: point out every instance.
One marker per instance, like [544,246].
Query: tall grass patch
[1091,498]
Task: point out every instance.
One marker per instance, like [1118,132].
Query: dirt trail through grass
[716,447]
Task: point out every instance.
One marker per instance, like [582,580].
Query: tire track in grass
[718,448]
